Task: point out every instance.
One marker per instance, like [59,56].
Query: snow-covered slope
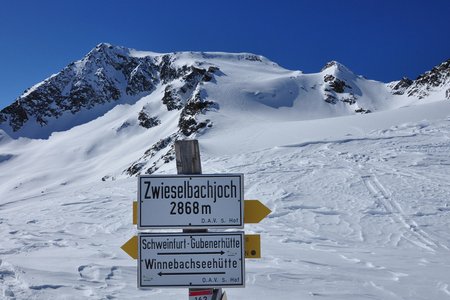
[360,200]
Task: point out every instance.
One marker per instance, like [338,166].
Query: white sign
[191,201]
[191,259]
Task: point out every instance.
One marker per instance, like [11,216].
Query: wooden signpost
[201,260]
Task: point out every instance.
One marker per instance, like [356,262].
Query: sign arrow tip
[255,211]
[131,247]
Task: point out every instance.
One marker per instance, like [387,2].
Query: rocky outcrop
[438,75]
[335,84]
[147,121]
[336,90]
[161,152]
[16,114]
[171,98]
[400,87]
[362,111]
[175,96]
[434,80]
[196,105]
[105,75]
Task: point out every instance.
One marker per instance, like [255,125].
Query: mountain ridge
[123,95]
[109,75]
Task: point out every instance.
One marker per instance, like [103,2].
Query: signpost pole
[187,153]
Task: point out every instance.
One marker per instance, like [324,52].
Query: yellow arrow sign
[252,246]
[131,247]
[254,211]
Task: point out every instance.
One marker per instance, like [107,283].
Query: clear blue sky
[382,40]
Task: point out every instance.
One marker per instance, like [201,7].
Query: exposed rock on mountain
[435,80]
[336,84]
[166,145]
[175,96]
[146,121]
[400,87]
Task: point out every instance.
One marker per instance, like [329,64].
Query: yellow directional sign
[131,247]
[255,211]
[252,246]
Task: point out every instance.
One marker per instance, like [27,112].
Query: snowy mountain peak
[106,76]
[109,48]
[335,67]
[102,46]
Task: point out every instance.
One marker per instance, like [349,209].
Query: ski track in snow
[356,218]
[413,234]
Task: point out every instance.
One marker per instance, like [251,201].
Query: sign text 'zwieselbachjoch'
[190,201]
